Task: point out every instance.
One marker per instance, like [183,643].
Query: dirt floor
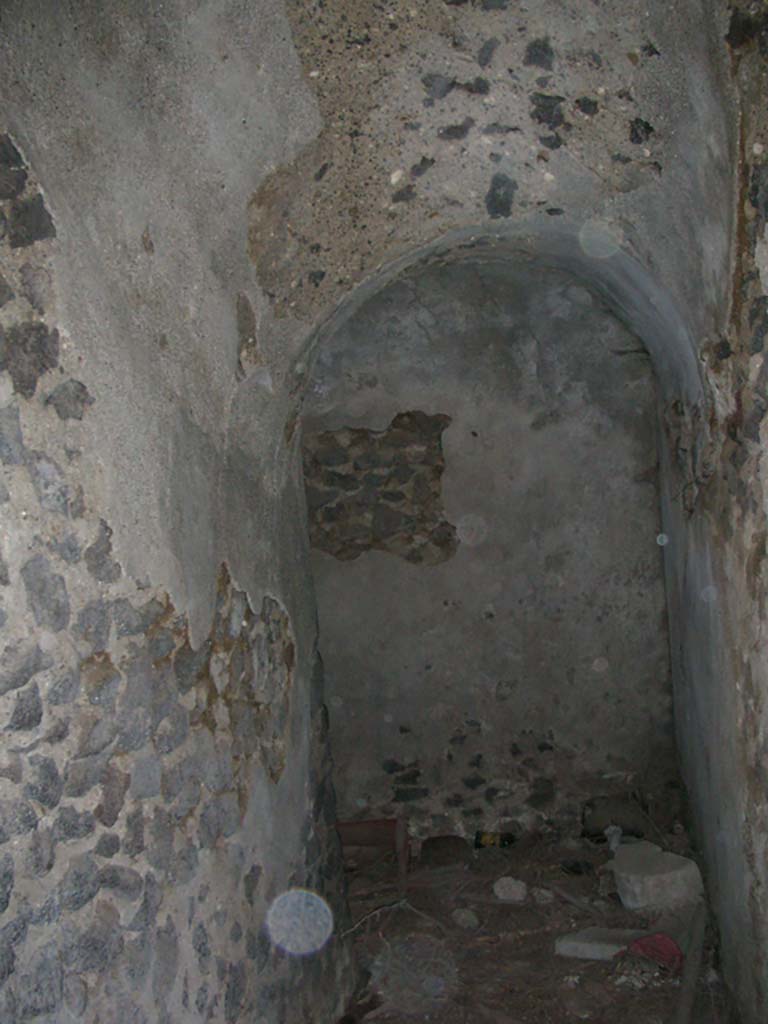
[447,950]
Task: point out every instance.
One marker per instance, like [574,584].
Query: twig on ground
[391,906]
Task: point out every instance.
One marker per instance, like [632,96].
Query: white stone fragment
[510,890]
[542,896]
[596,943]
[465,918]
[647,877]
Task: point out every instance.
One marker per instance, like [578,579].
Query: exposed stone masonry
[132,883]
[379,490]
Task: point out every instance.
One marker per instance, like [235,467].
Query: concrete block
[648,877]
[596,943]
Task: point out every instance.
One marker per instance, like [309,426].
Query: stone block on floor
[648,877]
[596,943]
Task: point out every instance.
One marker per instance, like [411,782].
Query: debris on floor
[596,943]
[530,933]
[648,877]
[510,890]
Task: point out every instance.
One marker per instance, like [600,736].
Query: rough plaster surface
[504,686]
[163,767]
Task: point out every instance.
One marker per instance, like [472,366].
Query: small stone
[38,990]
[29,222]
[17,817]
[6,881]
[114,787]
[135,725]
[101,680]
[48,481]
[510,890]
[6,292]
[47,912]
[173,730]
[73,824]
[46,594]
[65,689]
[465,918]
[80,883]
[133,838]
[596,943]
[201,999]
[27,351]
[145,916]
[75,993]
[42,852]
[547,110]
[542,896]
[12,182]
[70,400]
[587,106]
[185,864]
[95,946]
[145,777]
[455,132]
[12,451]
[647,877]
[96,734]
[131,621]
[124,882]
[539,53]
[486,52]
[98,557]
[640,131]
[219,818]
[166,959]
[107,846]
[234,995]
[68,548]
[498,200]
[160,847]
[160,645]
[437,86]
[83,774]
[47,786]
[251,882]
[35,284]
[405,794]
[7,961]
[189,665]
[9,154]
[201,944]
[93,624]
[28,710]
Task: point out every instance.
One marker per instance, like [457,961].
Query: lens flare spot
[662,540]
[300,922]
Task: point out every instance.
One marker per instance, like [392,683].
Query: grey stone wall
[624,143]
[164,773]
[379,490]
[527,669]
[133,882]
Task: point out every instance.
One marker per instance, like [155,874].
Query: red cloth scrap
[661,949]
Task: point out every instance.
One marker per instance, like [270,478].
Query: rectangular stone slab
[596,943]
